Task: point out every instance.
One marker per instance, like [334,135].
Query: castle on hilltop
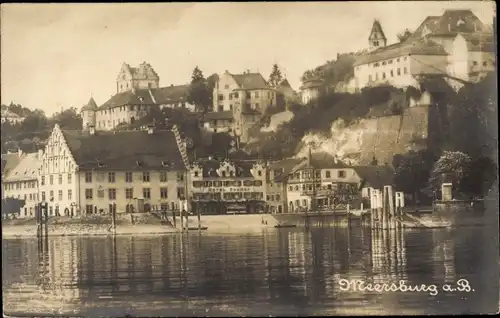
[455,46]
[137,89]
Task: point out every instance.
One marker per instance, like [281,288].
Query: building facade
[239,100]
[21,182]
[226,187]
[137,91]
[311,89]
[320,181]
[455,45]
[88,172]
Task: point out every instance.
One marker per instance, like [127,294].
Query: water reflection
[277,272]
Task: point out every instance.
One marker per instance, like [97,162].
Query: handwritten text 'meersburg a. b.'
[462,285]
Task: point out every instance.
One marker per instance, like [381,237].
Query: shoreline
[30,231]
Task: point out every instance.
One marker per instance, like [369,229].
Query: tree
[452,167]
[412,171]
[403,36]
[11,206]
[479,177]
[276,77]
[199,93]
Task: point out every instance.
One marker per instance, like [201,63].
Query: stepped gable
[128,150]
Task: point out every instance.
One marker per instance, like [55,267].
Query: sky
[57,56]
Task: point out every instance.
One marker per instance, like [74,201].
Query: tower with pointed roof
[377,37]
[88,113]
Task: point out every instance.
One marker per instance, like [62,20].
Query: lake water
[274,272]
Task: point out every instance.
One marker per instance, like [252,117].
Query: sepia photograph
[249,159]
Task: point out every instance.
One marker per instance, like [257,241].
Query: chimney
[19,152]
[40,153]
[335,160]
[133,90]
[92,129]
[171,85]
[449,27]
[226,72]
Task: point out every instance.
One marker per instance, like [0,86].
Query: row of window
[341,187]
[236,95]
[255,106]
[20,185]
[60,195]
[145,177]
[26,197]
[229,196]
[129,193]
[377,64]
[307,174]
[234,183]
[69,178]
[272,197]
[485,63]
[398,73]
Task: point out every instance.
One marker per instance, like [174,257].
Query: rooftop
[26,169]
[416,47]
[224,115]
[153,96]
[128,150]
[375,176]
[9,162]
[250,81]
[210,166]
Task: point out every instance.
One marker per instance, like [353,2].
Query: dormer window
[100,164]
[165,164]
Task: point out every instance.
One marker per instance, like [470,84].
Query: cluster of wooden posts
[386,208]
[184,219]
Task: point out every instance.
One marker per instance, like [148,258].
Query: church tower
[88,114]
[377,37]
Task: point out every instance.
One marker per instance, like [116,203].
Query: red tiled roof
[416,47]
[129,150]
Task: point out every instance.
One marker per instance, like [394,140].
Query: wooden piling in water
[199,217]
[113,219]
[174,218]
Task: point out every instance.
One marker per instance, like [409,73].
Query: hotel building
[222,187]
